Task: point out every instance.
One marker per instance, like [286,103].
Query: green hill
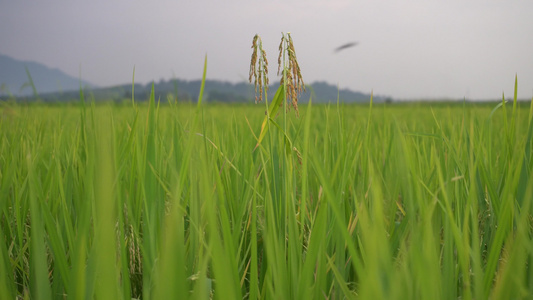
[14,79]
[215,91]
[55,86]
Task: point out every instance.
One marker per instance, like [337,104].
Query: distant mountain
[325,92]
[215,91]
[14,78]
[55,85]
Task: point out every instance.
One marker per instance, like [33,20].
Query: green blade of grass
[7,287]
[153,203]
[273,110]
[105,246]
[40,283]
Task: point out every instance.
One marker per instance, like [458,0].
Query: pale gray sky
[407,49]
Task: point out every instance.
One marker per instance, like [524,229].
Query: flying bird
[345,46]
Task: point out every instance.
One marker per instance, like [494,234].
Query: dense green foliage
[386,202]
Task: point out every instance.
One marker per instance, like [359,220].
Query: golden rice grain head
[252,66]
[260,86]
[265,68]
[280,52]
[253,60]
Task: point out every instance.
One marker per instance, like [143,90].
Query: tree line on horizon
[187,91]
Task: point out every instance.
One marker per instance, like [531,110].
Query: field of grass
[171,201]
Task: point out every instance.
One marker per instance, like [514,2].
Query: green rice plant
[368,201]
[291,83]
[30,83]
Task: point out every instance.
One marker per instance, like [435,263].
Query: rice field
[161,200]
[170,200]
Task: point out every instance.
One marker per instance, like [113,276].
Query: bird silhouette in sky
[345,46]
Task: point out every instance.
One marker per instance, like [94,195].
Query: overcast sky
[407,49]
